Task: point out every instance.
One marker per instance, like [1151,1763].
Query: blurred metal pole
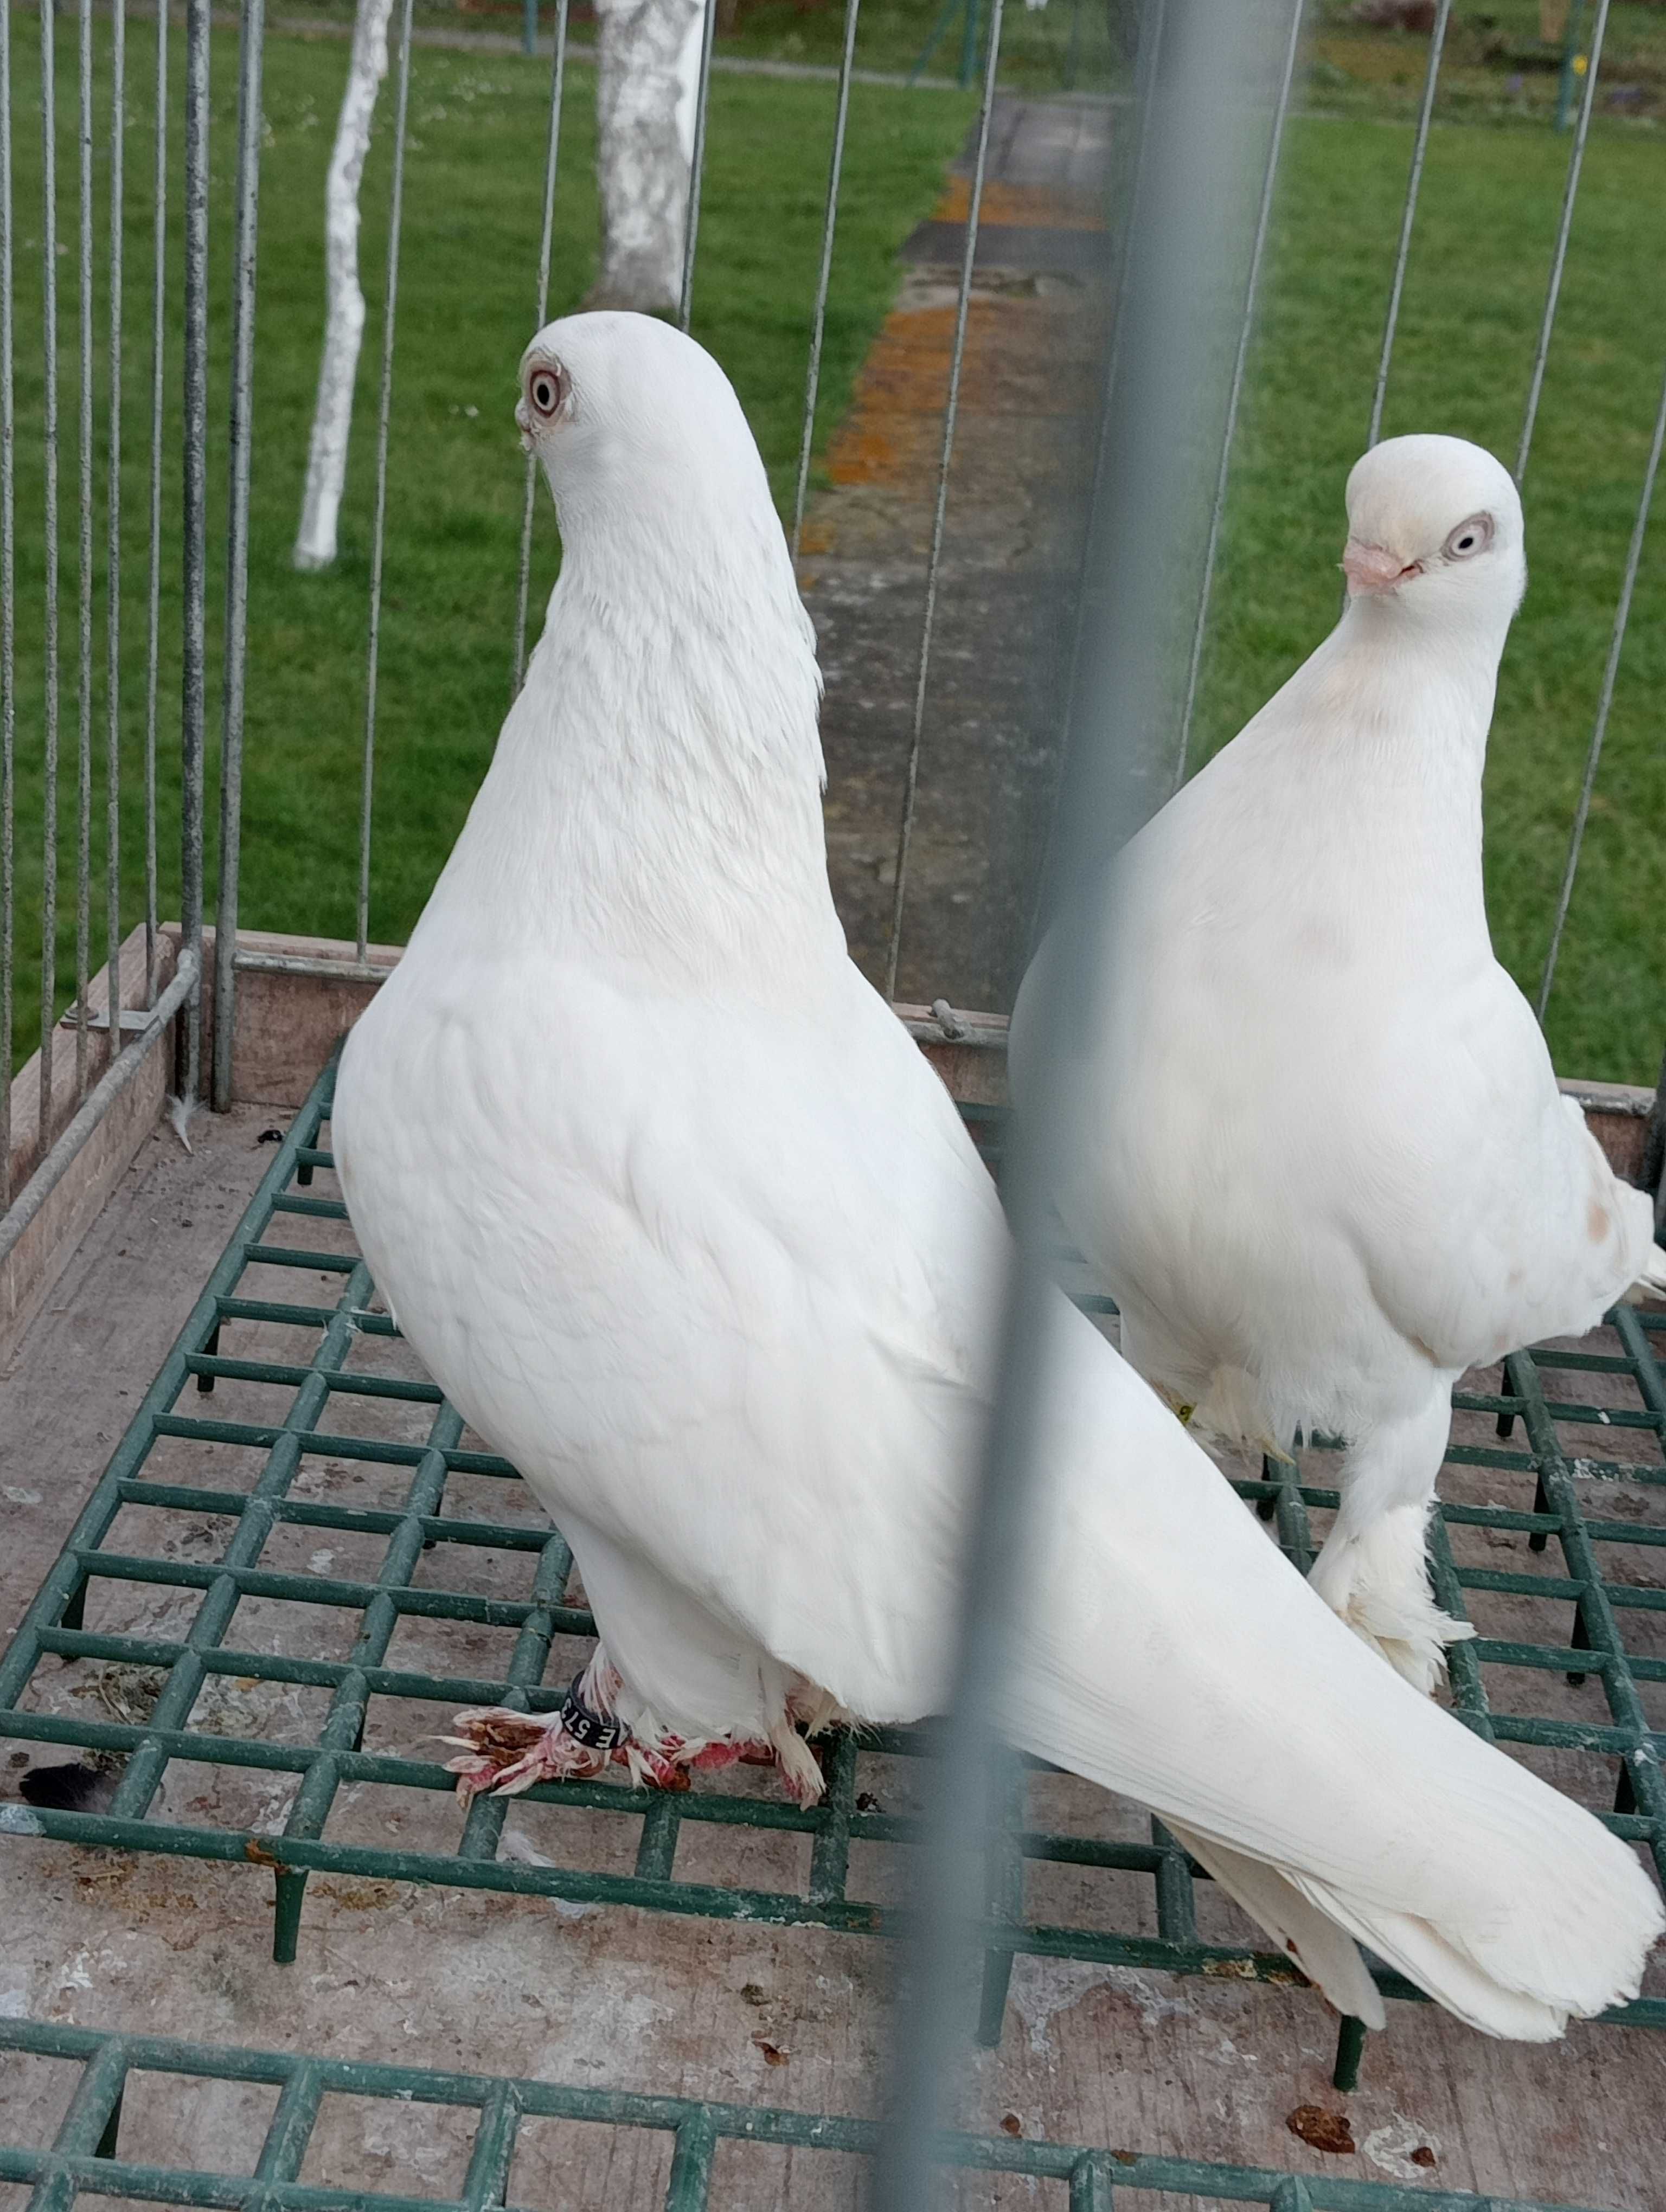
[379,528]
[697,161]
[8,616]
[1185,285]
[113,578]
[158,363]
[240,434]
[823,277]
[193,696]
[551,161]
[933,565]
[1559,253]
[1409,215]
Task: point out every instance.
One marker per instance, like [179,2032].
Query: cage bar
[951,412]
[529,494]
[824,272]
[240,436]
[1408,216]
[697,162]
[86,2152]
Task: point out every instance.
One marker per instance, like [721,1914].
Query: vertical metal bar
[1185,285]
[8,615]
[49,432]
[1414,185]
[1616,642]
[552,159]
[697,161]
[112,577]
[84,539]
[158,360]
[193,639]
[390,303]
[1240,361]
[84,545]
[829,219]
[250,54]
[688,2187]
[951,414]
[1559,257]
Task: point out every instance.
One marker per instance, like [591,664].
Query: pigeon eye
[1469,538]
[544,391]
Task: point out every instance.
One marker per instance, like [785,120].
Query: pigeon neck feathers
[656,791]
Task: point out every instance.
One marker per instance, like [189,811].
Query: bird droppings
[773,2054]
[1401,2148]
[1011,2124]
[1325,2131]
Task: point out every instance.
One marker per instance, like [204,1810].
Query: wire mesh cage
[273,1603]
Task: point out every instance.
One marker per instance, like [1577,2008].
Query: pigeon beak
[1372,569]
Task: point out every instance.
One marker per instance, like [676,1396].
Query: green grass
[1472,300]
[465,309]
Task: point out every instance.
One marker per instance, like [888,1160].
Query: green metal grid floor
[86,2154]
[274,1600]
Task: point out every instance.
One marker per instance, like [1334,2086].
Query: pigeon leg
[1374,1569]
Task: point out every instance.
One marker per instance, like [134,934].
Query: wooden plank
[30,1270]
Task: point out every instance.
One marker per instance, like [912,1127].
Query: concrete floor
[406,1974]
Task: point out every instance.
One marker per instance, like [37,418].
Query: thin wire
[1252,285]
[158,362]
[49,435]
[911,777]
[251,55]
[1570,193]
[8,616]
[192,695]
[390,303]
[1622,616]
[551,156]
[829,219]
[113,581]
[1414,185]
[84,545]
[697,161]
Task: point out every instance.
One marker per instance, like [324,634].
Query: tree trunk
[646,89]
[343,329]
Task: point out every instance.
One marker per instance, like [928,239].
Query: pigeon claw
[506,1752]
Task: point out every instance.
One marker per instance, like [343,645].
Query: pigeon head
[1434,530]
[633,423]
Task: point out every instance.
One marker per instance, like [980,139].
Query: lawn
[1471,309]
[465,309]
[1473,297]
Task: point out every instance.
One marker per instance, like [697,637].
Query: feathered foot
[506,1752]
[1378,1581]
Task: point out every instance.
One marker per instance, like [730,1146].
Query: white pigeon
[674,1210]
[1330,1168]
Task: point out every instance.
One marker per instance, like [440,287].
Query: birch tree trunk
[343,329]
[646,88]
